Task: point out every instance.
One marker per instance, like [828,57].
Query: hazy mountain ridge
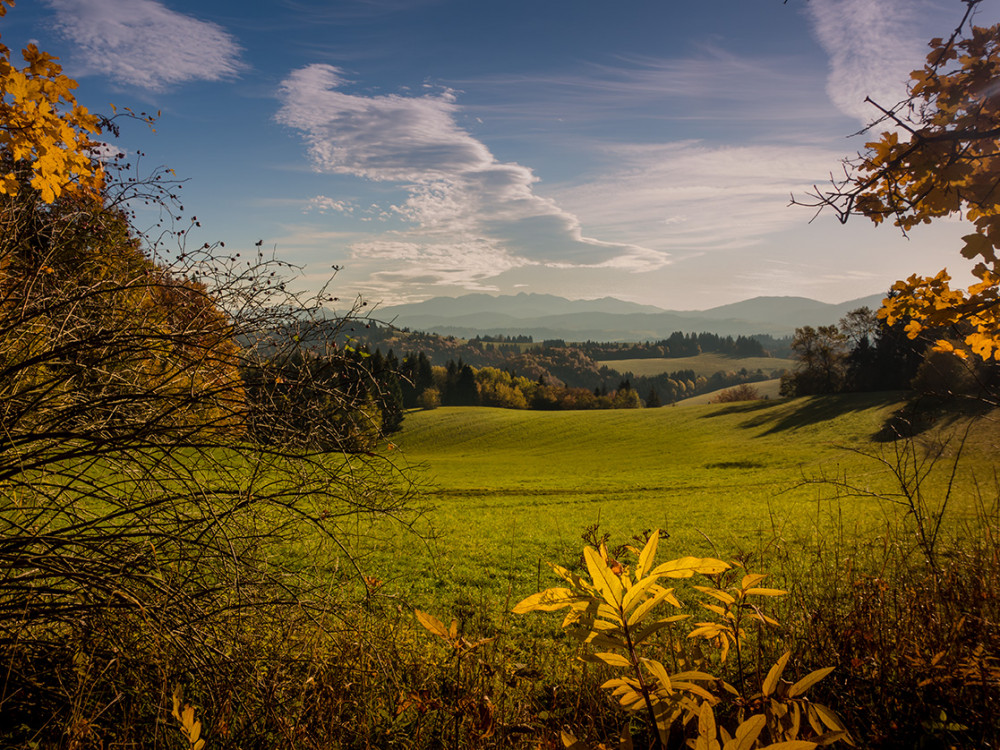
[519,306]
[608,319]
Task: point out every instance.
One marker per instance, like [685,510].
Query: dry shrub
[741,392]
[917,651]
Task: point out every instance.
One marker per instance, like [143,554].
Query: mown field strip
[703,364]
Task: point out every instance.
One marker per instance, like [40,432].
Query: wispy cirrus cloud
[468,264]
[713,84]
[692,197]
[468,216]
[873,45]
[145,44]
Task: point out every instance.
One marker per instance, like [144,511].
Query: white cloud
[107,153]
[403,271]
[143,43]
[396,138]
[324,204]
[691,197]
[462,263]
[469,216]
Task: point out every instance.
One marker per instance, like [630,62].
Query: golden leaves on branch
[941,160]
[45,135]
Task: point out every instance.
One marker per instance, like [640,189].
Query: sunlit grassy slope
[508,490]
[704,364]
[764,388]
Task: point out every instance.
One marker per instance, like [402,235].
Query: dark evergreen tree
[465,392]
[407,381]
[450,381]
[424,376]
[388,393]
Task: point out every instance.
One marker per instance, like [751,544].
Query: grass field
[704,364]
[507,490]
[765,389]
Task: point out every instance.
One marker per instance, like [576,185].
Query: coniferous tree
[465,392]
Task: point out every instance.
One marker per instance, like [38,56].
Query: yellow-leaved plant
[617,612]
[190,726]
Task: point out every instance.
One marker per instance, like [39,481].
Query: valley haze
[545,316]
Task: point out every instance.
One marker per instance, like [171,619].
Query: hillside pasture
[765,389]
[706,364]
[505,491]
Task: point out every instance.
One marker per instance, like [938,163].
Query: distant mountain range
[544,316]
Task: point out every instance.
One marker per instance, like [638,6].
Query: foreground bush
[149,536]
[615,614]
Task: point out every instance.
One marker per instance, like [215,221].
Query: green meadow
[504,491]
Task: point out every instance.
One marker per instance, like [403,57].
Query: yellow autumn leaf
[686,567]
[605,581]
[808,681]
[547,601]
[432,623]
[774,674]
[765,592]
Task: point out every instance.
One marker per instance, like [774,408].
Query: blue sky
[643,150]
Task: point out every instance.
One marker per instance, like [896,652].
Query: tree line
[679,344]
[424,385]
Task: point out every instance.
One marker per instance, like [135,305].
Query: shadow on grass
[921,414]
[780,415]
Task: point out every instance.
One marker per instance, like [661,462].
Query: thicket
[674,386]
[574,365]
[744,392]
[491,350]
[346,399]
[680,344]
[422,384]
[459,384]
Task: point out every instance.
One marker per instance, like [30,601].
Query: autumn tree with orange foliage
[940,158]
[95,335]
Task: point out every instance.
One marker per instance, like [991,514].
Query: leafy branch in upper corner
[939,156]
[616,611]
